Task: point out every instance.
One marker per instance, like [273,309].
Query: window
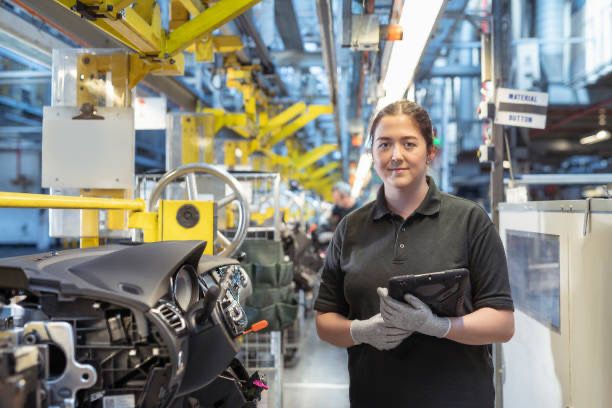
[533,264]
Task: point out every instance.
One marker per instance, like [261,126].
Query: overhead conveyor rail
[138,25]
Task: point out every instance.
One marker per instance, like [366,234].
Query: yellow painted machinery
[138,24]
[161,220]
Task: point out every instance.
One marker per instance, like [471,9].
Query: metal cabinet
[559,256]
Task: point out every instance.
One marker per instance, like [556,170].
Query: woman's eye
[383,145]
[410,145]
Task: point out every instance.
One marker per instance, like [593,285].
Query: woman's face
[400,152]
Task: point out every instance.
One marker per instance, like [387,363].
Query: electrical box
[88,153]
[486,153]
[184,220]
[365,32]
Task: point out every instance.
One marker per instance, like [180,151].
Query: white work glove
[375,332]
[414,315]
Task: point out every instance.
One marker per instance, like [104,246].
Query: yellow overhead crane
[137,24]
[261,126]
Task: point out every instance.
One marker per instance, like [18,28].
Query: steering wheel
[189,171]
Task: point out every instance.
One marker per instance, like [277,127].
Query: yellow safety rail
[25,200]
[138,217]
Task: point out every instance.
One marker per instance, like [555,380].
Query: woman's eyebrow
[386,138]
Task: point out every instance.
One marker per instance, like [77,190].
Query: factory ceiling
[302,49]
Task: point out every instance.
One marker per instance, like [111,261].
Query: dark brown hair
[410,109]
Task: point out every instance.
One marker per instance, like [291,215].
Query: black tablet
[443,292]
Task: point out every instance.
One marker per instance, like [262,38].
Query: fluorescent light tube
[597,137]
[417,20]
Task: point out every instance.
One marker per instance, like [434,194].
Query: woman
[400,353]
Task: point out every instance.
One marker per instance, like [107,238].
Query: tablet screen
[444,291]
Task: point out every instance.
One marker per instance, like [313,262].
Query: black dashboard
[143,316]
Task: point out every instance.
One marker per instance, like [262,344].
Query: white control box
[88,153]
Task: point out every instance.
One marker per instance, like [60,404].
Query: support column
[499,39]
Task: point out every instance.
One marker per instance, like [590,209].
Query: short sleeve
[331,292]
[489,277]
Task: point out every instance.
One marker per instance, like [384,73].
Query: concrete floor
[320,377]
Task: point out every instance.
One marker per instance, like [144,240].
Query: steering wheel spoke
[223,240]
[192,186]
[226,200]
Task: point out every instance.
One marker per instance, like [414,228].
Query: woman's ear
[431,154]
[369,152]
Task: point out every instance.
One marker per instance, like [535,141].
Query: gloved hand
[414,315]
[375,332]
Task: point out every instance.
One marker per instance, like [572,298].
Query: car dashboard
[142,325]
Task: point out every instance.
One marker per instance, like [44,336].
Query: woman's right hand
[412,315]
[377,333]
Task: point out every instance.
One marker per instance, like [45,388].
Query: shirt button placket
[402,229]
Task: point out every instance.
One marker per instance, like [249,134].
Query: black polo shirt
[371,245]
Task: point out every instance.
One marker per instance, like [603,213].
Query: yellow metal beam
[102,24]
[23,200]
[313,155]
[275,159]
[137,24]
[241,131]
[219,118]
[137,217]
[324,186]
[132,26]
[223,119]
[178,15]
[194,7]
[139,28]
[205,22]
[313,112]
[227,43]
[140,67]
[285,116]
[323,171]
[234,119]
[144,8]
[204,50]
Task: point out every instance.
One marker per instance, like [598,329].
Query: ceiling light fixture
[418,19]
[362,174]
[596,138]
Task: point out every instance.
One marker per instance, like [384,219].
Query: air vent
[171,315]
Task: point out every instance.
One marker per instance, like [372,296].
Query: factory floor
[319,377]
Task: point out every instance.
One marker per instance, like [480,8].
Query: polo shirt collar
[429,206]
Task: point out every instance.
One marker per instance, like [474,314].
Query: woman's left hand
[414,315]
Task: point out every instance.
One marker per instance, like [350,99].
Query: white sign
[514,107]
[88,153]
[119,401]
[149,113]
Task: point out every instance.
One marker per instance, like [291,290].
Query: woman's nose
[396,153]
